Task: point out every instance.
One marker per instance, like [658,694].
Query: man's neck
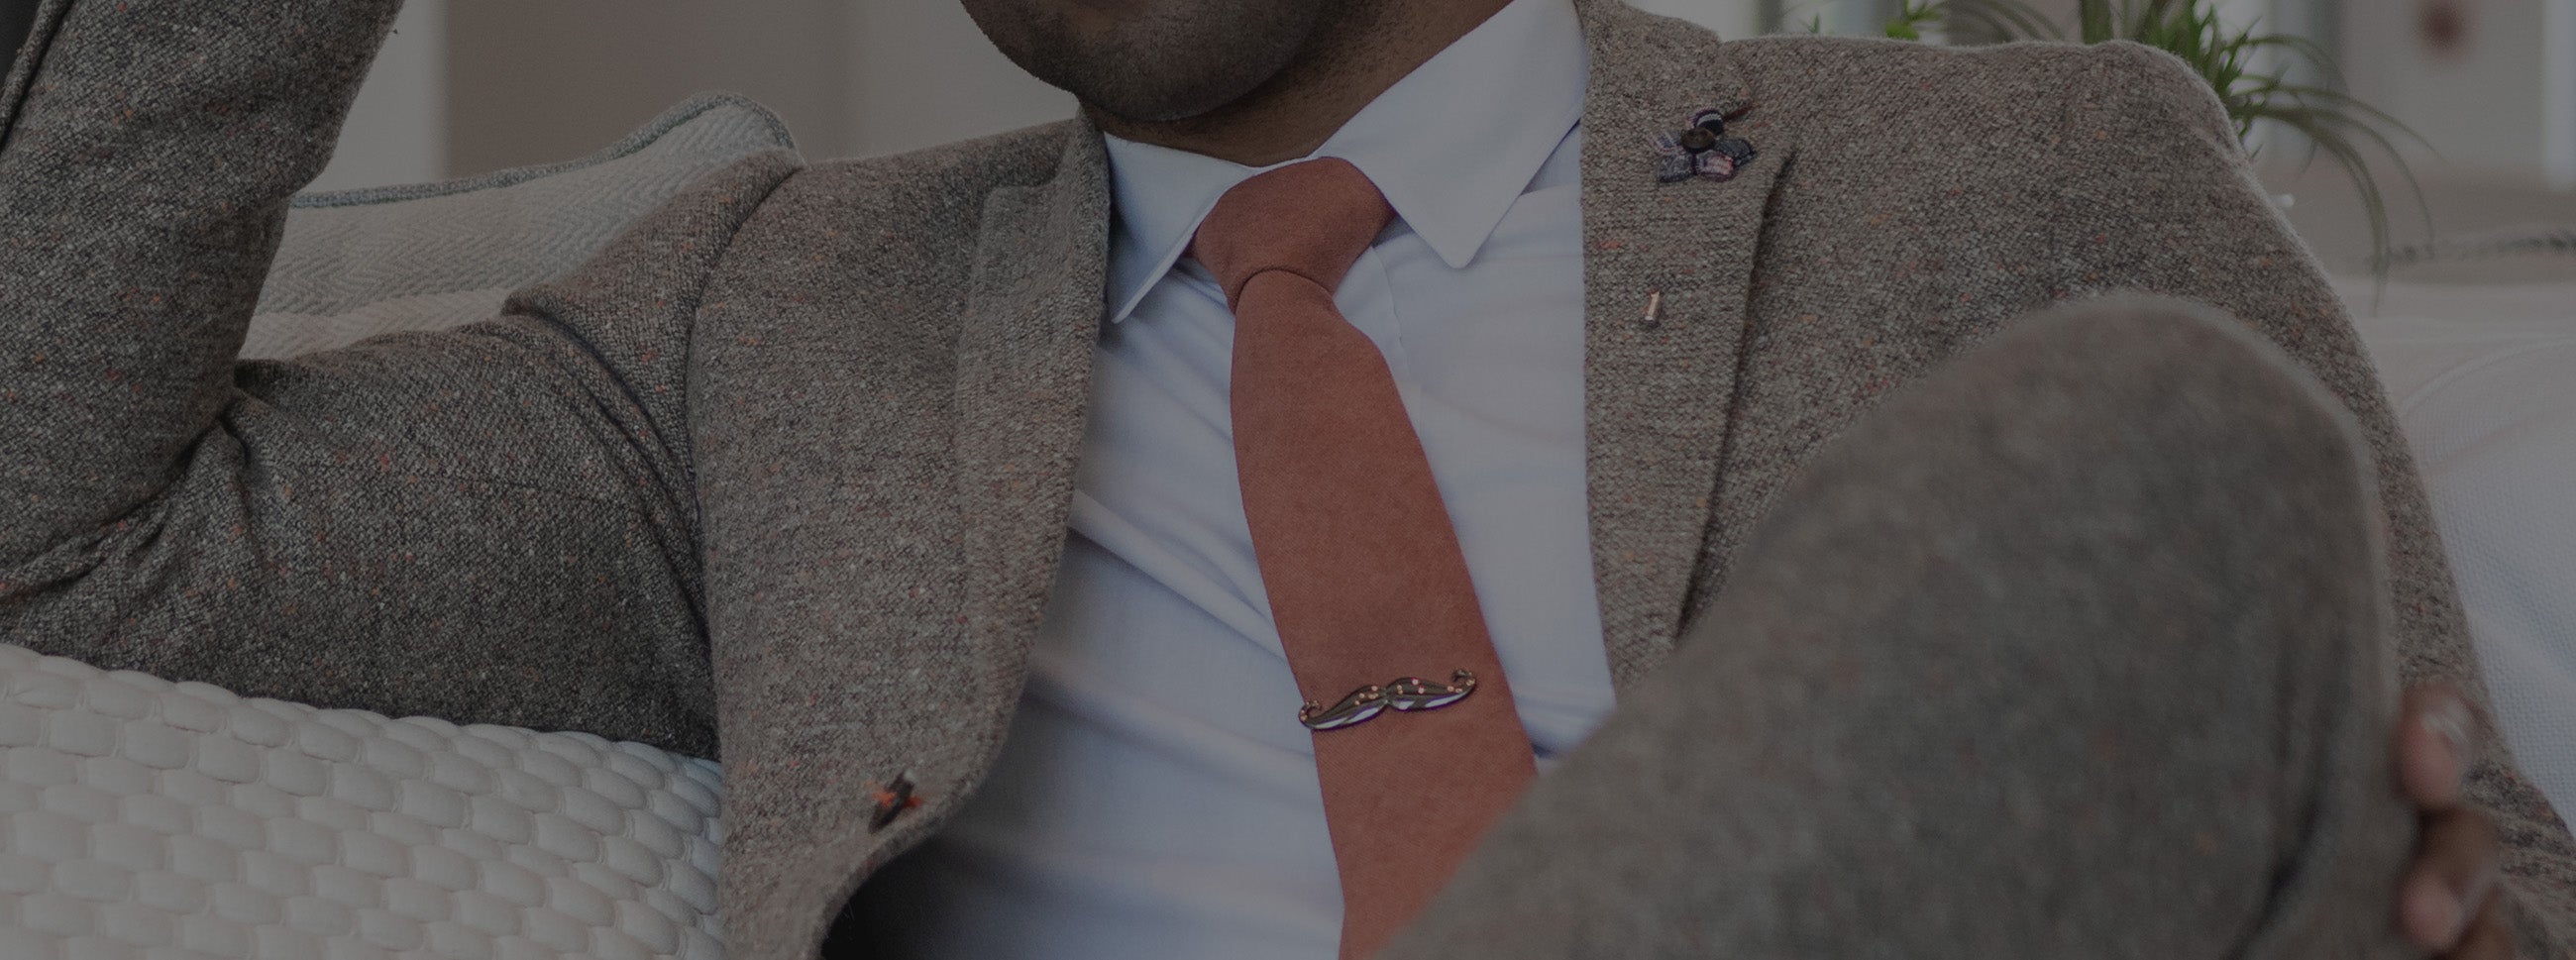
[1366,51]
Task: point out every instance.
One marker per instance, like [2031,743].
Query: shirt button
[1697,139]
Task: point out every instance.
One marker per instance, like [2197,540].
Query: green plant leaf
[2093,19]
[1910,17]
[2006,19]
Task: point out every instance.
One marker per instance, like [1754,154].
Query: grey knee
[2073,648]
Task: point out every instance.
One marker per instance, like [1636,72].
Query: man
[838,465]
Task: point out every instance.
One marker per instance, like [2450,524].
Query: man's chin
[1150,62]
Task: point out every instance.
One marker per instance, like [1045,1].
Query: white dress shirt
[1157,796]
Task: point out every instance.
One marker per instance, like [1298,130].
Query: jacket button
[892,800]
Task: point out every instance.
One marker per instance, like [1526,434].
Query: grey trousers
[2074,649]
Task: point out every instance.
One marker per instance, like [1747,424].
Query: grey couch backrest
[362,262]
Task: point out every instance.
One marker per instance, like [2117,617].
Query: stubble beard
[1171,60]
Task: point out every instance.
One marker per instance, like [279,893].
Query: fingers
[2446,905]
[2434,736]
[2453,876]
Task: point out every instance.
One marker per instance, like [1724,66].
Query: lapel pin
[1701,150]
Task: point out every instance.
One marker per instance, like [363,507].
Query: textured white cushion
[145,819]
[2484,381]
[362,262]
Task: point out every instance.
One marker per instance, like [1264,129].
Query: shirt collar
[1451,146]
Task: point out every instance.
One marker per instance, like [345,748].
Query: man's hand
[2446,904]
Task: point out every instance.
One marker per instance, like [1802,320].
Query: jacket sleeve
[2160,197]
[491,524]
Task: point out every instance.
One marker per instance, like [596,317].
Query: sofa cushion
[2471,229]
[147,818]
[2478,377]
[2503,257]
[362,262]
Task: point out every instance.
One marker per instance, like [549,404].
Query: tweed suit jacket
[783,473]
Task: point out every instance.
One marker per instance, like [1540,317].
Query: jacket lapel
[1659,393]
[1023,375]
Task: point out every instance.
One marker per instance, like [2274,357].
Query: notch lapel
[1659,396]
[1023,377]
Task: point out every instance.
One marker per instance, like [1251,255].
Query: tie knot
[1312,219]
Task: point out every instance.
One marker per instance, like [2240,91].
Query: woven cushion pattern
[145,819]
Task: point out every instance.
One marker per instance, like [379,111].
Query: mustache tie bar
[1404,696]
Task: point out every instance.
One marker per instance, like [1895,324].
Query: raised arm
[149,152]
[2158,197]
[489,524]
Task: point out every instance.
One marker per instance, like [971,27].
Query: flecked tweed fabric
[2075,648]
[785,468]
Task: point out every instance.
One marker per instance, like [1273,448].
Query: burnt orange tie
[1365,578]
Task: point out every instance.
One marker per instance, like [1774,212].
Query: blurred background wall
[468,86]
[2492,83]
